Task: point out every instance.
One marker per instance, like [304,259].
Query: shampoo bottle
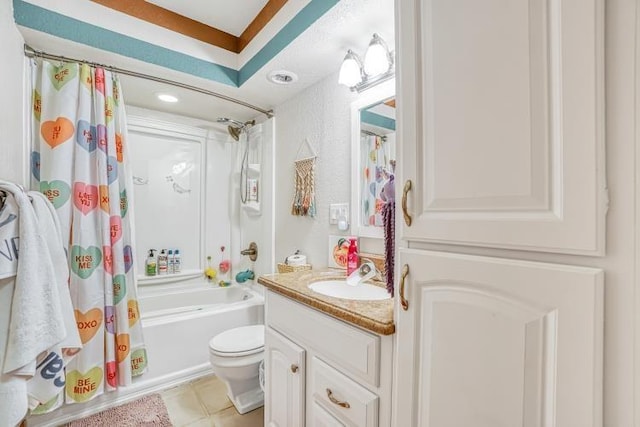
[162,262]
[170,262]
[150,265]
[177,261]
[352,256]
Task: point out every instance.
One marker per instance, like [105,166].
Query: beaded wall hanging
[304,199]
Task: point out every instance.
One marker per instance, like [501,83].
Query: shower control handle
[252,251]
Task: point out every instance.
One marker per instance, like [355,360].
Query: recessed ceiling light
[165,97]
[282,77]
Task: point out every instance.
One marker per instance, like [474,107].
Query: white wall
[12,139]
[321,114]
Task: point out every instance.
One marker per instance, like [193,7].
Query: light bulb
[376,59]
[350,71]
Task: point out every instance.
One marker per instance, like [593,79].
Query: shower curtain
[376,171]
[79,161]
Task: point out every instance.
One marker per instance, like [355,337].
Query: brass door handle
[405,213]
[294,368]
[336,401]
[403,301]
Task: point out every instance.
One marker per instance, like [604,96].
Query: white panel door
[490,342]
[284,381]
[501,123]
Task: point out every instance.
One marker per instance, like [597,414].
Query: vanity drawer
[320,417]
[348,401]
[354,350]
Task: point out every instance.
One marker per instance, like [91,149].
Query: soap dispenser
[150,265]
[352,256]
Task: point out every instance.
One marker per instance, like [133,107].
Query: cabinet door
[490,342]
[501,123]
[284,381]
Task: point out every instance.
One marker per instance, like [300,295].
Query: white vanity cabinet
[322,371]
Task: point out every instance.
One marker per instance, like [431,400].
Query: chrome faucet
[366,263]
[366,271]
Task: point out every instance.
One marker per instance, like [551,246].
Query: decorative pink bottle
[352,256]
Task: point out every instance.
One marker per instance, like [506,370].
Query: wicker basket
[285,268]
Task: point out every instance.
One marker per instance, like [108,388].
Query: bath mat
[147,411]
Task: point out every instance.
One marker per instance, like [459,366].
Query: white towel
[49,227]
[13,388]
[48,382]
[37,323]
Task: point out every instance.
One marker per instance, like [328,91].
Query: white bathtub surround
[178,321]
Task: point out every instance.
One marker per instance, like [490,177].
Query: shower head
[235,127]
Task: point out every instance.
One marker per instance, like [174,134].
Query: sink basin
[340,289]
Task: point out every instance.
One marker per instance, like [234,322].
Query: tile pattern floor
[204,402]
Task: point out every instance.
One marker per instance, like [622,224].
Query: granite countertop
[375,316]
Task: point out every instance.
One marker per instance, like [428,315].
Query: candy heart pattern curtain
[79,161]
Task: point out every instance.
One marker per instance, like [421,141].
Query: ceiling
[307,37]
[230,17]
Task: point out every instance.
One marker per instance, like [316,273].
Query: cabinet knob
[403,301]
[405,212]
[294,368]
[336,401]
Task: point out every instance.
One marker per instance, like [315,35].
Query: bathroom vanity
[328,360]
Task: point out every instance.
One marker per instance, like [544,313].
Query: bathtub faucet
[252,251]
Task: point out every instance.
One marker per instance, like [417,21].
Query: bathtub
[178,320]
[178,323]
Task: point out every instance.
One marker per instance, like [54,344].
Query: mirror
[373,154]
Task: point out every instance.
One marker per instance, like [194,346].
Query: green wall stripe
[50,22]
[303,20]
[377,120]
[41,19]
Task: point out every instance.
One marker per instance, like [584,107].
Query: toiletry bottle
[170,262]
[150,265]
[177,261]
[162,262]
[352,257]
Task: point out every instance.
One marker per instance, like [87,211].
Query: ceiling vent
[282,77]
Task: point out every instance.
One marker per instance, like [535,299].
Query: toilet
[235,356]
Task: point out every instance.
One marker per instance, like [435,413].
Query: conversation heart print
[88,323]
[84,261]
[83,386]
[85,197]
[56,132]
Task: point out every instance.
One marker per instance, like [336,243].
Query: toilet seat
[242,341]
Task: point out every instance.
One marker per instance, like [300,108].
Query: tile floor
[204,402]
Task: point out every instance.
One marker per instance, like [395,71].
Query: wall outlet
[338,210]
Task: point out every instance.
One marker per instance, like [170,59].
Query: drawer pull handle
[405,213]
[403,300]
[336,401]
[294,368]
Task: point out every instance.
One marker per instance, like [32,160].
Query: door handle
[403,301]
[294,368]
[336,401]
[405,213]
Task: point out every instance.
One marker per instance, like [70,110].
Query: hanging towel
[13,388]
[49,379]
[388,194]
[36,315]
[49,227]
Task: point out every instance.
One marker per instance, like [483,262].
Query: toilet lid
[238,340]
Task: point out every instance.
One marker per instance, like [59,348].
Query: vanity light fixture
[377,66]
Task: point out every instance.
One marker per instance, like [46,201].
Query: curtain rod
[368,132]
[31,53]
